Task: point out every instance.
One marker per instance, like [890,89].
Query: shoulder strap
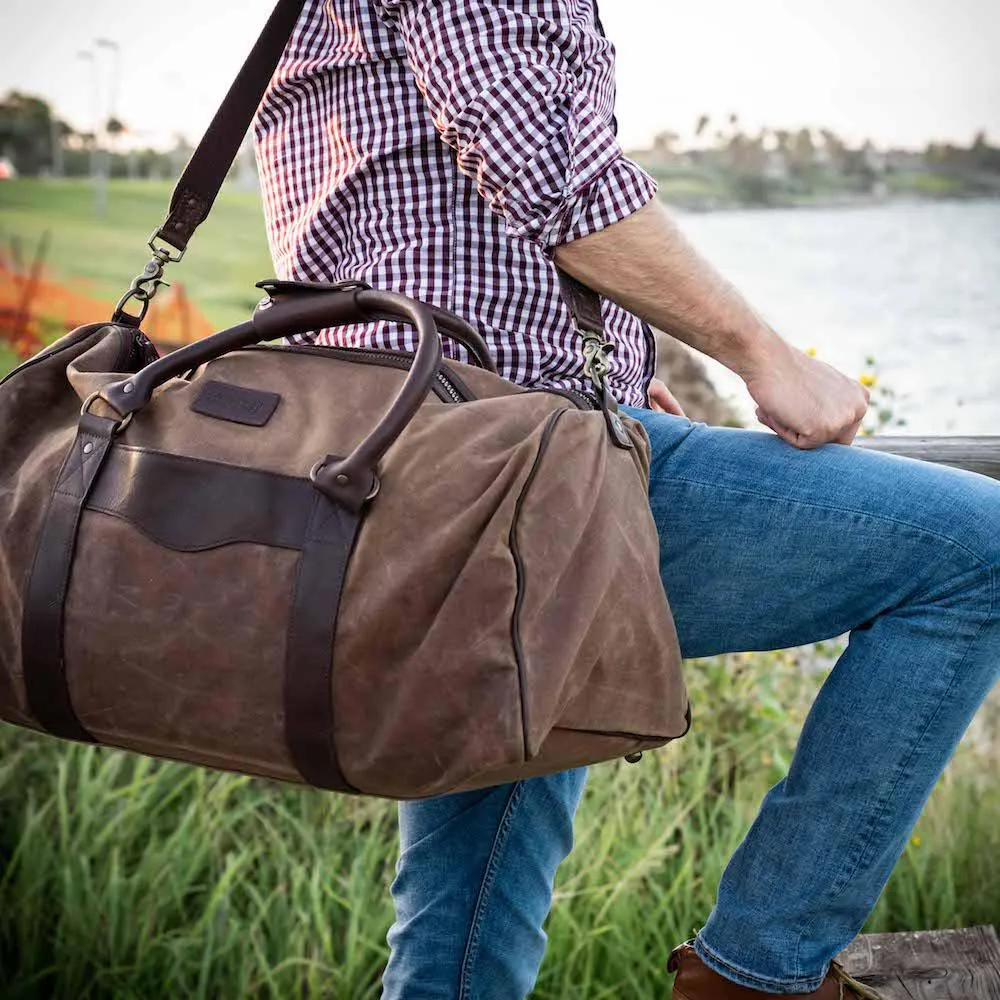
[206,171]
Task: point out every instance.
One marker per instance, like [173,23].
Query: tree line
[772,164]
[38,142]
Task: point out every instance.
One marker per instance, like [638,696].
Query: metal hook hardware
[595,352]
[145,285]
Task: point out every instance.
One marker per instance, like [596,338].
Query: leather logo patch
[236,403]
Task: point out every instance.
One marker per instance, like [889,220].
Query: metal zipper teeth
[138,342]
[389,358]
[580,399]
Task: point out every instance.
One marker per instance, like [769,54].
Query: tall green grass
[128,878]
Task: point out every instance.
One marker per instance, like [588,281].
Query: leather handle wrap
[351,480]
[286,318]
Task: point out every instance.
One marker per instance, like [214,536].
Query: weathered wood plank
[977,454]
[928,965]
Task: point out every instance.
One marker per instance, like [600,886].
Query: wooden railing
[976,454]
[928,965]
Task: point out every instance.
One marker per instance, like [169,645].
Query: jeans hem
[743,977]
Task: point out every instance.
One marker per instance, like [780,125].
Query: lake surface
[917,286]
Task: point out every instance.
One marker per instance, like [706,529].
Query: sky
[900,72]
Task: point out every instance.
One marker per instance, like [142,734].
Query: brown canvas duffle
[370,571]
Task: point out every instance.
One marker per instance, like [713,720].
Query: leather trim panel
[309,708]
[42,660]
[189,504]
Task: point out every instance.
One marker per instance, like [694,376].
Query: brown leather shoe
[696,981]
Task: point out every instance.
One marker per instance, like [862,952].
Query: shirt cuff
[576,183]
[621,191]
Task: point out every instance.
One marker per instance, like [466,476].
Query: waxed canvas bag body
[370,571]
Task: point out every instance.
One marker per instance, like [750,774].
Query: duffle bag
[370,571]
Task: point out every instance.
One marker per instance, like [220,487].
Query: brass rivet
[88,447]
[127,387]
[342,479]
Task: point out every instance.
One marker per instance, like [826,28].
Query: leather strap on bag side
[43,666]
[309,718]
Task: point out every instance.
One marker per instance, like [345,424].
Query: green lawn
[7,360]
[128,878]
[228,254]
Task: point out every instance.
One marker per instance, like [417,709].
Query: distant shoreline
[693,205]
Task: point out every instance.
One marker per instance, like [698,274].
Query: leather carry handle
[448,323]
[351,480]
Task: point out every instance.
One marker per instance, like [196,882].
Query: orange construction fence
[35,309]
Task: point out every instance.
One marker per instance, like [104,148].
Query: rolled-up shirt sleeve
[505,87]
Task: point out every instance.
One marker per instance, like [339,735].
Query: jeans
[763,546]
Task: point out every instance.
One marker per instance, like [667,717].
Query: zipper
[448,382]
[136,342]
[583,400]
[449,388]
[446,387]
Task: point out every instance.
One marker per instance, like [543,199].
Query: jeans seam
[874,515]
[489,877]
[901,770]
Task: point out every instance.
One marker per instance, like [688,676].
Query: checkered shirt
[442,149]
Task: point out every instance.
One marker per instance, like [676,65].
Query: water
[917,286]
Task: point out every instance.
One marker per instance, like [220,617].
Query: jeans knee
[970,520]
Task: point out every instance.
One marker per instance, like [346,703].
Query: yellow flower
[868,379]
[915,840]
[811,351]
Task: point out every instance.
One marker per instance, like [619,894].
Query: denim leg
[764,546]
[473,886]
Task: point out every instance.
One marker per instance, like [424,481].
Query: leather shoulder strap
[205,173]
[196,191]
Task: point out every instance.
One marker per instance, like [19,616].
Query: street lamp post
[85,55]
[115,49]
[110,112]
[97,177]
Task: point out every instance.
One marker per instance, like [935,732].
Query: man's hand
[663,400]
[645,264]
[804,401]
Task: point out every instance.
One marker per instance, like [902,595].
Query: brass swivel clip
[595,352]
[145,285]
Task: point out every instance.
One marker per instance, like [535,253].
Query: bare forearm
[645,264]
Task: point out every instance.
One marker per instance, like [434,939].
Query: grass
[130,878]
[228,254]
[7,360]
[928,185]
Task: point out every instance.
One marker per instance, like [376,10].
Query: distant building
[906,160]
[874,159]
[776,165]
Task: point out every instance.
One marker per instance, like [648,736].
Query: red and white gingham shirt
[441,148]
